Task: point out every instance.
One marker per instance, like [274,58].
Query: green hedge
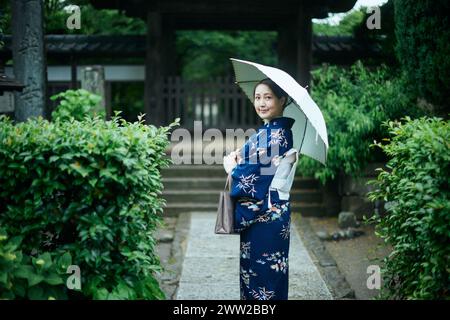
[417,221]
[422,29]
[90,189]
[354,102]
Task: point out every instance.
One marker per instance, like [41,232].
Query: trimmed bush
[417,221]
[90,189]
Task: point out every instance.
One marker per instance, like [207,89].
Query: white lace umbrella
[309,130]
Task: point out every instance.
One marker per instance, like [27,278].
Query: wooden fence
[218,103]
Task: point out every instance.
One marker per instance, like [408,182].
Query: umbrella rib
[304,133]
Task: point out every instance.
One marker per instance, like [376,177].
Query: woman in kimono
[261,217]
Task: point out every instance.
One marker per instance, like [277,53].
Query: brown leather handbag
[225,212]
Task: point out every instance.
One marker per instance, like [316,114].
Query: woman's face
[267,105]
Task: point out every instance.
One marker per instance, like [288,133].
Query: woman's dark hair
[280,93]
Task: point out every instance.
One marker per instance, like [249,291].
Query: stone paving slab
[203,267]
[205,291]
[210,269]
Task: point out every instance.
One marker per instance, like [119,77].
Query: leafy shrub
[23,276]
[89,188]
[76,104]
[354,103]
[417,221]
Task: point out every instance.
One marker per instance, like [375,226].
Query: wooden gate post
[304,46]
[153,66]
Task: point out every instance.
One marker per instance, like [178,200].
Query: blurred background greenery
[355,99]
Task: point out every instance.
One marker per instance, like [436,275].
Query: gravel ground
[353,256]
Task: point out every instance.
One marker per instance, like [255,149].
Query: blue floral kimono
[264,230]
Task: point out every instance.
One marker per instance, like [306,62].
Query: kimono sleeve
[252,178]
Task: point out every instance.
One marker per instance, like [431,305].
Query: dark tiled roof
[83,45]
[325,48]
[344,49]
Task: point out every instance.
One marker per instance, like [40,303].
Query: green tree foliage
[93,21]
[199,51]
[423,46]
[345,27]
[5,18]
[417,222]
[354,103]
[1,33]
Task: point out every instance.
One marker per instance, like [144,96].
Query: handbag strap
[228,182]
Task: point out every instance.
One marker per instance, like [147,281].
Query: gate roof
[227,14]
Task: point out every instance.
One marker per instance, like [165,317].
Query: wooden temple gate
[290,18]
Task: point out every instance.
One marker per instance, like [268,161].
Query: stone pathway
[210,269]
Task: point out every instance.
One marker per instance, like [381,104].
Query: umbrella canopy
[309,130]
